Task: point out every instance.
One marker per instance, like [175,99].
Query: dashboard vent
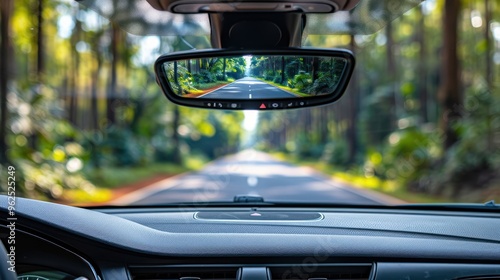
[320,272]
[184,273]
[277,272]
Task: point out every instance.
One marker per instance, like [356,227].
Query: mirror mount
[255,79]
[256,31]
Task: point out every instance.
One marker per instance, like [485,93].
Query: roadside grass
[115,177]
[108,179]
[211,85]
[285,88]
[388,187]
[85,197]
[201,89]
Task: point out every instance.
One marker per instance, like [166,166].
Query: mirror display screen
[257,77]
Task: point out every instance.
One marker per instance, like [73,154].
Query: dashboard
[55,241]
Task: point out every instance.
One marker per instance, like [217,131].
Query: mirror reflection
[255,77]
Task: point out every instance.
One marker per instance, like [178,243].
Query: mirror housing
[255,79]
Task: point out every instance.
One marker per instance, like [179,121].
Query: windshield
[83,121]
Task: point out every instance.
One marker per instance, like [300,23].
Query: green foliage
[116,177]
[415,158]
[406,156]
[324,84]
[237,73]
[51,178]
[269,75]
[204,76]
[53,138]
[54,144]
[301,82]
[125,148]
[291,68]
[208,144]
[277,78]
[236,69]
[336,153]
[220,77]
[303,148]
[377,118]
[474,161]
[183,77]
[47,154]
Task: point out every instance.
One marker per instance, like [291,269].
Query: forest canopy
[81,113]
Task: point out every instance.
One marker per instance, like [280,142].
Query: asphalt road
[248,88]
[252,173]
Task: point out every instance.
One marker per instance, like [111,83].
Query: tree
[40,59]
[354,94]
[282,70]
[314,68]
[487,37]
[449,91]
[73,75]
[176,78]
[6,63]
[176,153]
[96,49]
[392,71]
[224,69]
[422,66]
[113,90]
[40,67]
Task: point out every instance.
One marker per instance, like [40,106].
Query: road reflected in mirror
[255,77]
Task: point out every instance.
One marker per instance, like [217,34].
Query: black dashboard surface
[346,233]
[114,239]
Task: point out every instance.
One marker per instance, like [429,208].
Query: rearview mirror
[257,80]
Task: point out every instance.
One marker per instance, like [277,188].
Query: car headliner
[138,17]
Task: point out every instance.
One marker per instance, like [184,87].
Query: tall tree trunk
[6,62]
[323,121]
[283,70]
[422,67]
[487,38]
[73,75]
[176,78]
[449,90]
[391,61]
[40,62]
[40,67]
[188,66]
[332,68]
[112,94]
[224,69]
[94,111]
[73,98]
[391,73]
[314,68]
[489,66]
[352,133]
[176,155]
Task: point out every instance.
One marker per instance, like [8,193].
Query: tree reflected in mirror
[255,77]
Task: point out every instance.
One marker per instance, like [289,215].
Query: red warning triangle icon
[262,106]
